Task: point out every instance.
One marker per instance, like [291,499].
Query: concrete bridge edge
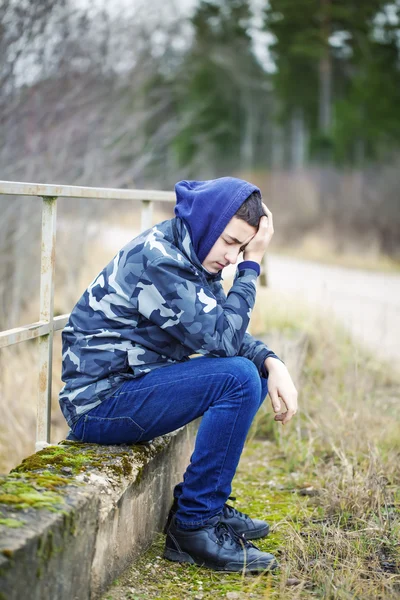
[105,506]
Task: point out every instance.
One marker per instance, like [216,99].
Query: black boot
[251,529]
[216,546]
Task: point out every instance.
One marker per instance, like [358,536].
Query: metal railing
[47,324]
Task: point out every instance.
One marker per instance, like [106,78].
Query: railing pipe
[31,331]
[47,270]
[146,219]
[75,191]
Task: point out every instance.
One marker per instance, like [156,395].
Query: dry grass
[347,443]
[341,541]
[329,483]
[18,396]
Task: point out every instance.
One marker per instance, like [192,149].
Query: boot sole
[183,557]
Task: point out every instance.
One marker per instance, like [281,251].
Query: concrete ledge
[73,516]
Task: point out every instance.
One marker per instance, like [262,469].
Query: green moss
[140,450]
[39,480]
[126,466]
[281,508]
[7,553]
[69,524]
[116,469]
[57,457]
[139,474]
[47,480]
[45,546]
[79,457]
[22,494]
[12,523]
[45,551]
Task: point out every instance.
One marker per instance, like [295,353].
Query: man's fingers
[256,248]
[263,226]
[280,417]
[285,417]
[291,407]
[266,210]
[288,415]
[269,216]
[276,403]
[282,390]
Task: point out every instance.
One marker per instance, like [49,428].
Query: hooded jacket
[155,304]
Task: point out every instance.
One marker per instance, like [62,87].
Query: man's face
[236,235]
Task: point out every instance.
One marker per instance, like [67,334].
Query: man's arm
[280,384]
[171,294]
[257,352]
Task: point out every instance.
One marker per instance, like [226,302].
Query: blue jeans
[227,392]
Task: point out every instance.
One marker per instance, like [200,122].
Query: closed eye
[231,243]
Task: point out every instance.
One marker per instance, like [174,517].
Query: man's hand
[255,249]
[281,387]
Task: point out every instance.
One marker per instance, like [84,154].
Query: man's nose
[231,255]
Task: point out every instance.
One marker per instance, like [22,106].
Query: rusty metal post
[47,270]
[146,220]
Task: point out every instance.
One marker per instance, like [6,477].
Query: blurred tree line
[338,75]
[142,94]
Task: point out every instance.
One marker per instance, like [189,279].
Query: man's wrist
[272,362]
[252,257]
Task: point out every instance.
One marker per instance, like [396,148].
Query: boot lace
[229,511]
[226,534]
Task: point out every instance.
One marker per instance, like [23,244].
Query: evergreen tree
[222,95]
[367,115]
[338,63]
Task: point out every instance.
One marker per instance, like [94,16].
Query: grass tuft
[328,483]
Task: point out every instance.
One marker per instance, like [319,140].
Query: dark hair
[251,210]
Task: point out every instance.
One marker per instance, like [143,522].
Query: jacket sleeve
[256,351]
[251,348]
[171,294]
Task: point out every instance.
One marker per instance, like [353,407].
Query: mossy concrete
[73,516]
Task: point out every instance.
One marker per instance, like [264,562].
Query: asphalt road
[366,303]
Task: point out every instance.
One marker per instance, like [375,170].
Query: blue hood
[206,207]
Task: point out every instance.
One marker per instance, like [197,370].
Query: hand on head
[255,249]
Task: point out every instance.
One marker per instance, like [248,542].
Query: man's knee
[245,371]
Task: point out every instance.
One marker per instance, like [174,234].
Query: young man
[157,302]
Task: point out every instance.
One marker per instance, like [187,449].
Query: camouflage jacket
[153,305]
